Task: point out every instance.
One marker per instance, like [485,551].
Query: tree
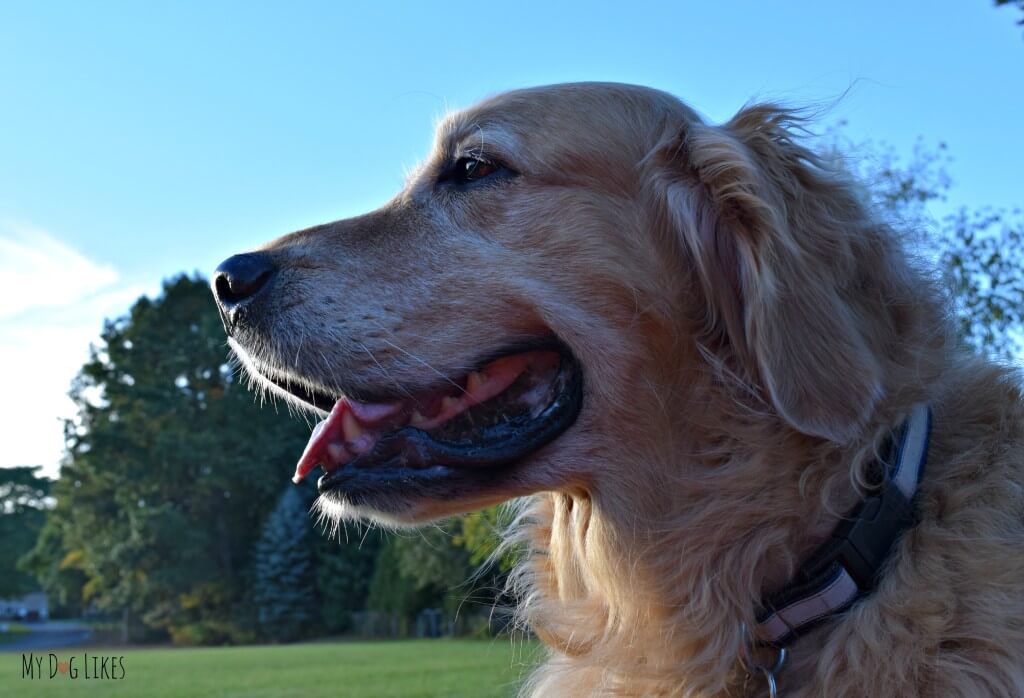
[480,534]
[393,590]
[48,563]
[984,259]
[284,593]
[23,495]
[170,470]
[345,566]
[980,252]
[435,568]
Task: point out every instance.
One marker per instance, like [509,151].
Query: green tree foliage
[480,535]
[54,568]
[439,567]
[170,470]
[283,589]
[22,513]
[393,590]
[345,567]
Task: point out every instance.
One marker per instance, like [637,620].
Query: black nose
[239,278]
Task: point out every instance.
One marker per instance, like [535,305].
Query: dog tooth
[474,381]
[417,419]
[350,427]
[371,413]
[449,404]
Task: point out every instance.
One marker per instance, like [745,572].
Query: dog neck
[849,564]
[658,592]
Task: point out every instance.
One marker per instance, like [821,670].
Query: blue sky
[138,140]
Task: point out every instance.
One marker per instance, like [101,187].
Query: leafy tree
[55,570]
[393,590]
[480,535]
[170,470]
[23,495]
[344,570]
[436,567]
[420,570]
[980,252]
[984,258]
[283,593]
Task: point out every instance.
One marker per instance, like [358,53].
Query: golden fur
[750,334]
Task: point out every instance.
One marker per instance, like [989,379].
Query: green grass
[409,669]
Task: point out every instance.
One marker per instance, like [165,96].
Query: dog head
[578,281]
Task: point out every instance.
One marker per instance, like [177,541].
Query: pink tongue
[353,427]
[332,442]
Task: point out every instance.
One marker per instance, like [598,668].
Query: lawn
[414,669]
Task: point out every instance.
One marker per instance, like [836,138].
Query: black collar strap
[848,565]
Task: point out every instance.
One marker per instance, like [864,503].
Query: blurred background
[144,493]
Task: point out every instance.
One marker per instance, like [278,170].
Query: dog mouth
[457,438]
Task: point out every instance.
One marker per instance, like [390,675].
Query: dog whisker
[383,370]
[424,363]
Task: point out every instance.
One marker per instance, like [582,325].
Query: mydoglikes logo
[73,666]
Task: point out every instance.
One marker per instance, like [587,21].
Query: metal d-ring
[767,670]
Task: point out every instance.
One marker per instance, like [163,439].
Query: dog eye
[468,170]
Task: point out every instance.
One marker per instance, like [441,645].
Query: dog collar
[848,566]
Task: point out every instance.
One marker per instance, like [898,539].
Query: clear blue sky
[141,139]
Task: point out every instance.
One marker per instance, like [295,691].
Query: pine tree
[284,591]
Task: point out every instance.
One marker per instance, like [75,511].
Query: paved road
[47,636]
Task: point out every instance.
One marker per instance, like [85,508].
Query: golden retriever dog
[689,352]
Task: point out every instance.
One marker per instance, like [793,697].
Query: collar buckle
[864,541]
[849,564]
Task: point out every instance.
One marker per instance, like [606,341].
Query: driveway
[49,635]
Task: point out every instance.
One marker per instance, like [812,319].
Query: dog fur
[750,334]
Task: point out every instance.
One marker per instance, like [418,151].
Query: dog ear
[767,232]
